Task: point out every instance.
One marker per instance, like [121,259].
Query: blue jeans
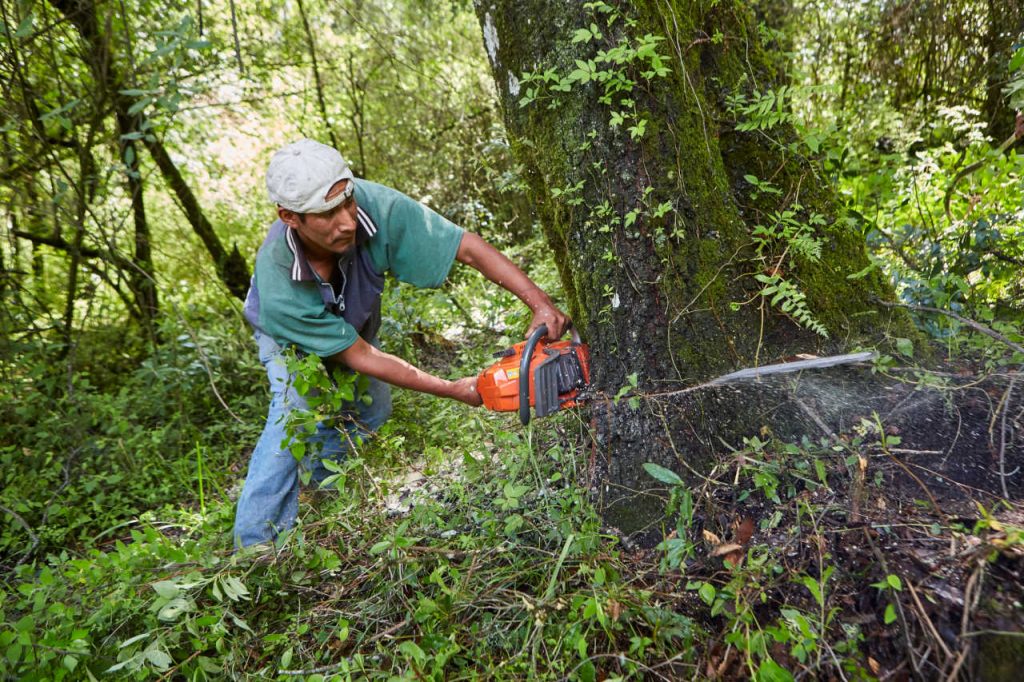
[269,503]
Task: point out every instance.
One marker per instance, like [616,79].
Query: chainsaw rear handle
[524,369]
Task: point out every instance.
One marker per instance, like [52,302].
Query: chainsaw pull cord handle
[524,372]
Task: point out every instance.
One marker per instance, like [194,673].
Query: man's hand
[557,321]
[464,390]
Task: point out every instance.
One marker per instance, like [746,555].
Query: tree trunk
[231,266]
[647,188]
[141,277]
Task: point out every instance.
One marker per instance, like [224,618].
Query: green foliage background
[124,429]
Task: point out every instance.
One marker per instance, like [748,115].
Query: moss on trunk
[670,295]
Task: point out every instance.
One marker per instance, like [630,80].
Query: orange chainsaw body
[557,370]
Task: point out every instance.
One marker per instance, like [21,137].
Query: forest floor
[891,550]
[903,528]
[459,545]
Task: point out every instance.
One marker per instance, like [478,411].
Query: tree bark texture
[653,233]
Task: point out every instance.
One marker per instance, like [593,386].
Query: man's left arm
[495,266]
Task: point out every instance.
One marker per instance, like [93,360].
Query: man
[317,286]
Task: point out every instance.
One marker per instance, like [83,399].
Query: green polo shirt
[396,234]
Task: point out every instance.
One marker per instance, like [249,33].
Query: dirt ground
[926,485]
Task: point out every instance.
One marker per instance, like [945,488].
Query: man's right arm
[365,359]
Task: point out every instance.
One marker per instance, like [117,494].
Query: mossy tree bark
[654,230]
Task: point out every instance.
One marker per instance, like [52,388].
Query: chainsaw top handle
[524,369]
[524,372]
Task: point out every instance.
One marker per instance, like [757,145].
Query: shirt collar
[301,270]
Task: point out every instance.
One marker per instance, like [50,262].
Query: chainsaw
[550,375]
[547,375]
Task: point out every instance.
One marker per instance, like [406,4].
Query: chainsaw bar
[787,367]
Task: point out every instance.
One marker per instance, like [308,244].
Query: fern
[792,238]
[790,301]
[762,111]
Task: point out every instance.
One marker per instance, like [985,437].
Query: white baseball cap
[302,173]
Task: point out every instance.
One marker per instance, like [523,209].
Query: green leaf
[707,593]
[662,474]
[167,589]
[863,273]
[770,671]
[819,468]
[905,347]
[241,623]
[412,650]
[582,35]
[894,582]
[514,491]
[159,659]
[25,27]
[380,547]
[133,640]
[1017,61]
[174,609]
[235,589]
[139,106]
[890,614]
[815,589]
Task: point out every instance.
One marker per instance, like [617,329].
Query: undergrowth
[497,568]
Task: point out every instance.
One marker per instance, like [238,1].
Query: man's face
[330,233]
